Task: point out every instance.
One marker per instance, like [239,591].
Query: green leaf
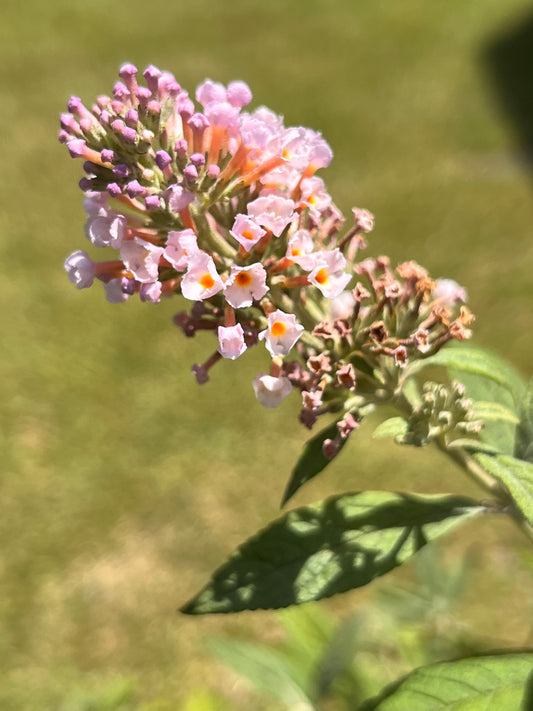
[494,412]
[411,392]
[516,474]
[500,435]
[473,445]
[393,427]
[499,682]
[524,432]
[311,461]
[266,668]
[337,656]
[477,361]
[338,544]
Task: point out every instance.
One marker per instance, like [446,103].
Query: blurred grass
[125,483]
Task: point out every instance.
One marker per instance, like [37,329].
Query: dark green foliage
[317,551]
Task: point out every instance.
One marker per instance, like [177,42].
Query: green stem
[474,471]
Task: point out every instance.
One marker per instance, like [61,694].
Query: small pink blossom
[281,334]
[246,231]
[201,280]
[449,292]
[94,201]
[238,94]
[151,292]
[114,291]
[328,274]
[178,198]
[209,91]
[271,391]
[231,341]
[245,284]
[273,212]
[314,195]
[342,306]
[105,228]
[80,269]
[260,131]
[321,154]
[180,246]
[141,259]
[299,249]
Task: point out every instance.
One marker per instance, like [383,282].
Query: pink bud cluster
[223,206]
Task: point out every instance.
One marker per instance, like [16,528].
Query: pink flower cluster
[224,207]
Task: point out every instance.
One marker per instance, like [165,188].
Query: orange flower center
[247,234]
[322,275]
[278,328]
[207,281]
[243,279]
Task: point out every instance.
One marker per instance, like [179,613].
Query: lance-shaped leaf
[311,461]
[524,433]
[393,427]
[338,544]
[494,412]
[269,670]
[517,476]
[476,361]
[500,682]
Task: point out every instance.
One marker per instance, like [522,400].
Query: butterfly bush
[224,206]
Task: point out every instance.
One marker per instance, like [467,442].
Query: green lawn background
[123,482]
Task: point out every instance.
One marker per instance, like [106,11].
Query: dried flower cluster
[223,206]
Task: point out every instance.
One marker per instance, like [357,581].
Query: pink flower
[180,246]
[320,151]
[328,274]
[105,227]
[151,292]
[299,249]
[178,198]
[80,269]
[281,334]
[273,212]
[342,305]
[245,284]
[314,195]
[246,231]
[450,292]
[260,132]
[209,91]
[202,279]
[231,341]
[141,259]
[271,391]
[238,94]
[94,202]
[114,291]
